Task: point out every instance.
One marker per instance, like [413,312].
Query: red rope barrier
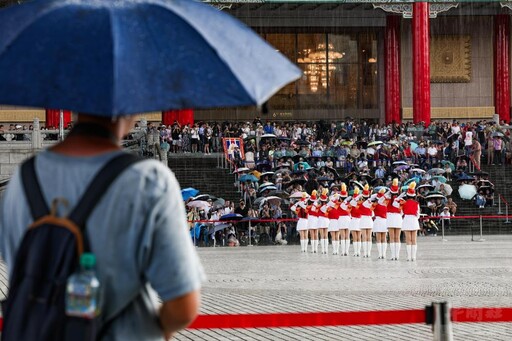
[282,320]
[348,318]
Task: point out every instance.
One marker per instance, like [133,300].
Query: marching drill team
[358,216]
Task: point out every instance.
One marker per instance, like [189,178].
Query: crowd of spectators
[19,132]
[300,156]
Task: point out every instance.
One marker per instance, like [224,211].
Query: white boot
[397,254]
[335,247]
[342,245]
[392,246]
[347,247]
[369,249]
[358,249]
[365,249]
[414,249]
[322,245]
[326,242]
[409,252]
[379,249]
[316,245]
[384,249]
[302,245]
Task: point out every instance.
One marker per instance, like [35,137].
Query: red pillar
[421,62]
[501,66]
[53,118]
[392,67]
[184,116]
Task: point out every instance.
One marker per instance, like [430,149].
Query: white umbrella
[241,170]
[199,204]
[298,195]
[375,143]
[467,192]
[417,170]
[448,189]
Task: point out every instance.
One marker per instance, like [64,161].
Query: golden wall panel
[446,113]
[21,115]
[450,59]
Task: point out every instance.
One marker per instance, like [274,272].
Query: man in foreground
[137,231]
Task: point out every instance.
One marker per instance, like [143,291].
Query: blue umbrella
[112,58]
[188,193]
[248,177]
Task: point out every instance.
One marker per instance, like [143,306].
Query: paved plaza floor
[270,279]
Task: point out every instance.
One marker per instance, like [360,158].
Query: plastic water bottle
[83,290]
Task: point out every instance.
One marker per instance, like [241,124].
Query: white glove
[294,207]
[373,197]
[388,195]
[302,204]
[347,200]
[353,203]
[401,196]
[323,208]
[330,204]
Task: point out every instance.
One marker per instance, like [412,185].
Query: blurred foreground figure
[137,231]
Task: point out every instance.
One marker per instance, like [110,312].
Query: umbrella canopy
[452,166]
[267,174]
[298,195]
[268,136]
[497,134]
[401,168]
[218,227]
[357,183]
[480,173]
[113,58]
[199,204]
[280,194]
[204,197]
[399,163]
[439,178]
[435,195]
[301,182]
[305,165]
[188,193]
[426,186]
[302,143]
[347,143]
[231,216]
[417,170]
[272,200]
[324,178]
[241,170]
[248,177]
[448,189]
[467,192]
[375,143]
[267,188]
[436,171]
[465,177]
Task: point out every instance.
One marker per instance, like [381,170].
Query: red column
[53,118]
[392,67]
[184,116]
[501,66]
[421,62]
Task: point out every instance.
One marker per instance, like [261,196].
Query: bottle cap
[88,260]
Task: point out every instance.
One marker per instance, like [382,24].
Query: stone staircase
[201,172]
[501,177]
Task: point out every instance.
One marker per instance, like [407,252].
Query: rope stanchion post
[441,321]
[506,215]
[249,232]
[499,205]
[442,230]
[481,231]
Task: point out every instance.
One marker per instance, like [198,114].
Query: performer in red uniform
[300,208]
[379,225]
[313,212]
[355,229]
[333,213]
[394,219]
[366,222]
[411,223]
[323,221]
[344,220]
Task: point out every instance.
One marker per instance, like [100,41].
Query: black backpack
[48,254]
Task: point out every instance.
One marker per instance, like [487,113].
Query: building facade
[381,61]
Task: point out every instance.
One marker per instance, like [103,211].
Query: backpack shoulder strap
[99,186]
[33,193]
